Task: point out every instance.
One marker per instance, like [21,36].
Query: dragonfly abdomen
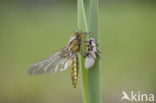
[74,71]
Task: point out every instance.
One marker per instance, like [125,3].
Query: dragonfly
[62,59]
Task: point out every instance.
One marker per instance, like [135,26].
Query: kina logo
[137,96]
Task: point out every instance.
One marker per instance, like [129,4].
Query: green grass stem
[91,79]
[82,24]
[94,73]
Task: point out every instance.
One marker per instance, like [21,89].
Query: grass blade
[94,76]
[84,73]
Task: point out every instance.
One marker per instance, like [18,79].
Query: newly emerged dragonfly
[62,59]
[90,54]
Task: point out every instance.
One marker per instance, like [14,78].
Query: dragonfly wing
[57,62]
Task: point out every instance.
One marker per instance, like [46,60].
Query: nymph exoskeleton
[90,54]
[62,59]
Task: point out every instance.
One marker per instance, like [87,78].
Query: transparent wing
[58,61]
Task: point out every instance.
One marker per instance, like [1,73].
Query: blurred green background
[32,30]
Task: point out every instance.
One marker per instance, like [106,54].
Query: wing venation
[58,61]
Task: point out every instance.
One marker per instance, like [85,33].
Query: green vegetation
[91,86]
[82,25]
[94,74]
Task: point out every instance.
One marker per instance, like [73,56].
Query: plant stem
[94,73]
[82,25]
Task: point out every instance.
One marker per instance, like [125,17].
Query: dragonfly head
[80,34]
[78,31]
